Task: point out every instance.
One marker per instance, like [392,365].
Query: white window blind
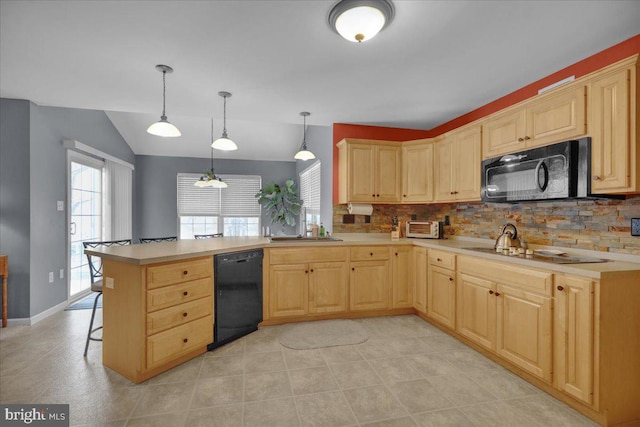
[197,201]
[238,199]
[310,188]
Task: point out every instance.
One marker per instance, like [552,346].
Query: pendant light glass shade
[303,153]
[360,20]
[163,127]
[224,143]
[210,179]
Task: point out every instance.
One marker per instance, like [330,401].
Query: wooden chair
[158,239]
[95,269]
[207,236]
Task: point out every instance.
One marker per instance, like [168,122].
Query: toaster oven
[425,229]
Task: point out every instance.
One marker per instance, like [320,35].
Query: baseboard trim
[28,321]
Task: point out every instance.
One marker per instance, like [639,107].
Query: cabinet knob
[353,269]
[451,192]
[185,293]
[451,279]
[404,195]
[186,340]
[373,195]
[371,253]
[396,253]
[560,288]
[491,292]
[526,138]
[455,192]
[377,195]
[497,294]
[312,270]
[185,272]
[596,178]
[306,271]
[184,314]
[520,139]
[438,259]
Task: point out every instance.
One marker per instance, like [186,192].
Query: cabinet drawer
[172,343]
[179,272]
[300,255]
[507,274]
[369,253]
[178,294]
[442,259]
[179,315]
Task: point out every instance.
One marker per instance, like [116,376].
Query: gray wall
[157,193]
[319,142]
[45,163]
[14,201]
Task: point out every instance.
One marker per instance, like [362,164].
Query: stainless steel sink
[555,259]
[275,239]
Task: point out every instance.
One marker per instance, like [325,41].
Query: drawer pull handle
[184,314]
[497,294]
[451,279]
[353,269]
[596,178]
[490,292]
[185,272]
[396,253]
[371,253]
[526,138]
[520,139]
[439,260]
[185,293]
[186,340]
[560,288]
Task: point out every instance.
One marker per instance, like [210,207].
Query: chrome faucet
[303,221]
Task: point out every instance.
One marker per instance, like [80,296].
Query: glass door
[85,217]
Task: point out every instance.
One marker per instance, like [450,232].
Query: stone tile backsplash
[601,225]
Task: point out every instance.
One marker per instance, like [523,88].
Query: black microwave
[557,171]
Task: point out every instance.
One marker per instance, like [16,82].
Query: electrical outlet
[60,205]
[51,277]
[62,273]
[110,283]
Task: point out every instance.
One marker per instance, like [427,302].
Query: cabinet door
[420,279]
[476,310]
[444,170]
[360,173]
[504,133]
[441,295]
[466,164]
[388,173]
[574,337]
[524,330]
[369,285]
[611,148]
[402,271]
[556,118]
[417,173]
[288,290]
[328,287]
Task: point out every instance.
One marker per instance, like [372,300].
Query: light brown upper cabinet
[554,117]
[417,171]
[369,171]
[457,166]
[615,158]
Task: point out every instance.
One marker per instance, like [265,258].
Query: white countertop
[151,253]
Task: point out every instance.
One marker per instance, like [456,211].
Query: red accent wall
[593,63]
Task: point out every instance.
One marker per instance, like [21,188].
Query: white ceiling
[436,61]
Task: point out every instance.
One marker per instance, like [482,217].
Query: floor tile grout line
[295,402]
[195,389]
[340,389]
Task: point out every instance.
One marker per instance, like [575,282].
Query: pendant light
[163,127]
[210,179]
[360,20]
[224,143]
[303,153]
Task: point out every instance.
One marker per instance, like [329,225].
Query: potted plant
[281,202]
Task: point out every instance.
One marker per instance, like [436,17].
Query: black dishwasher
[238,295]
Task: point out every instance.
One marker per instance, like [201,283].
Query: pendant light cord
[304,133]
[164,91]
[224,119]
[212,147]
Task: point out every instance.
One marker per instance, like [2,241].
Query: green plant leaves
[281,202]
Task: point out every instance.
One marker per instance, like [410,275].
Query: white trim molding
[79,146]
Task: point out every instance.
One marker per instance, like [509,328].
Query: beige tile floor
[407,374]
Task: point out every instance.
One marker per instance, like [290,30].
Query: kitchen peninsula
[570,329]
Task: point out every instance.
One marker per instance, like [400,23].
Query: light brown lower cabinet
[441,288]
[369,285]
[402,276]
[420,279]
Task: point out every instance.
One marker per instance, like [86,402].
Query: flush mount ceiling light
[163,127]
[210,179]
[224,143]
[303,153]
[360,20]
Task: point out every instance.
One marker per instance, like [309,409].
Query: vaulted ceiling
[436,61]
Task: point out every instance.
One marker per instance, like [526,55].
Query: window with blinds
[310,192]
[233,211]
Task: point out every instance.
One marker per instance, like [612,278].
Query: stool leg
[93,315]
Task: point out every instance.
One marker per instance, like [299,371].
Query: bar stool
[207,236]
[158,239]
[95,269]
